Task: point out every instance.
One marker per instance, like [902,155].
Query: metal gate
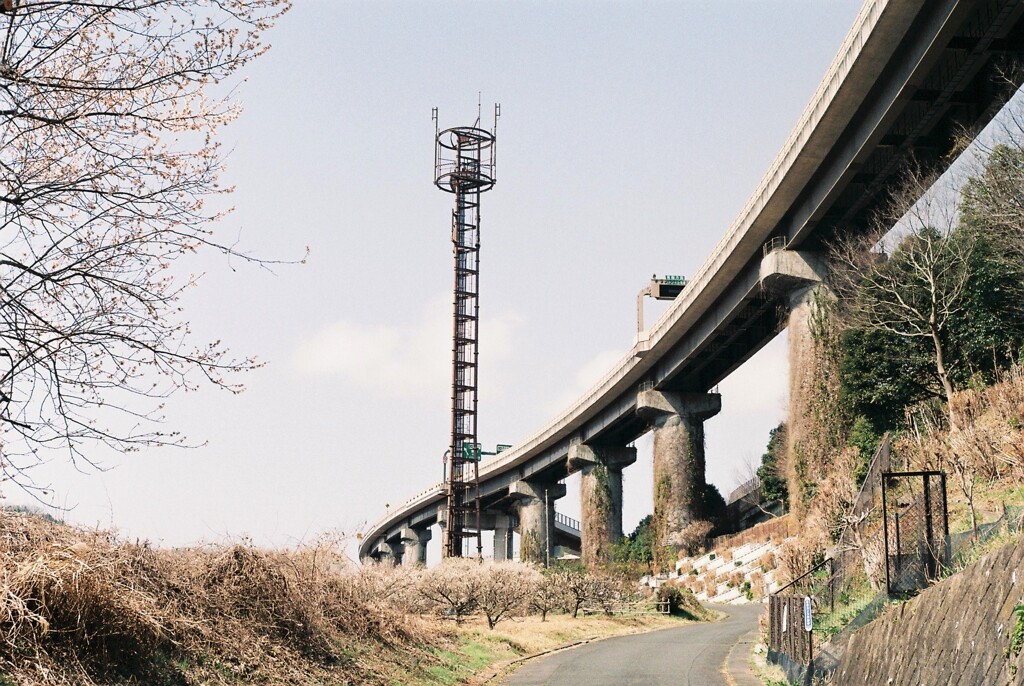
[916,529]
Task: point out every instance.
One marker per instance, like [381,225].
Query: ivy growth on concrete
[1016,639]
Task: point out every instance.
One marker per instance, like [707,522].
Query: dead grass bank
[83,607]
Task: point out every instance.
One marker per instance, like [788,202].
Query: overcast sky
[631,135]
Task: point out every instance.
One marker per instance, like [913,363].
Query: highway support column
[414,546]
[679,482]
[600,497]
[799,278]
[388,553]
[502,538]
[535,502]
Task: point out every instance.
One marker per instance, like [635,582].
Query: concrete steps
[725,576]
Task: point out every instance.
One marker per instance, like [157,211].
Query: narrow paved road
[692,654]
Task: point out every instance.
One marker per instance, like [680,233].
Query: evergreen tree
[773,481]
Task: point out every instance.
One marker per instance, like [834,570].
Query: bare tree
[548,595]
[505,588]
[453,587]
[994,199]
[109,114]
[920,286]
[609,592]
[576,583]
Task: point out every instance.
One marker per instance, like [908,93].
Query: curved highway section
[908,75]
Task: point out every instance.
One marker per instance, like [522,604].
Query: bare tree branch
[108,158]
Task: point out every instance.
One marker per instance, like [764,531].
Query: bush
[681,602]
[84,607]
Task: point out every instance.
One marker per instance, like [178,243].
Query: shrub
[681,601]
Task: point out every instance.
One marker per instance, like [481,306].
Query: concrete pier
[388,553]
[535,503]
[799,278]
[414,546]
[502,538]
[679,482]
[600,497]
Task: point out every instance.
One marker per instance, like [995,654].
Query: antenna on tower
[464,166]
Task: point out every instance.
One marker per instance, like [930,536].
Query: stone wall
[957,632]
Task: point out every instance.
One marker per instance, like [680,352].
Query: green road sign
[502,448]
[471,451]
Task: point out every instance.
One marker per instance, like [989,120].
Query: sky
[631,135]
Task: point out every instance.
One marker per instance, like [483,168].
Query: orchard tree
[505,589]
[109,115]
[548,594]
[452,587]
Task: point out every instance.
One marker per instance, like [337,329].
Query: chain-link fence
[840,587]
[916,525]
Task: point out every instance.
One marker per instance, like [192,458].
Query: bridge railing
[809,118]
[567,521]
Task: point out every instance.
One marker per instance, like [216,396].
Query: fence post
[885,533]
[931,568]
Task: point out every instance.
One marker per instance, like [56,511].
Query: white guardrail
[664,330]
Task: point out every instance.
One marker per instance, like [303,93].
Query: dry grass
[775,529]
[757,585]
[796,556]
[82,607]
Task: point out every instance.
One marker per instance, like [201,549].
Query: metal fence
[787,636]
[916,529]
[567,521]
[837,586]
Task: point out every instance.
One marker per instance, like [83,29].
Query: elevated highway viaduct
[908,78]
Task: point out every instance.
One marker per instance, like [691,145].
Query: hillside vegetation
[920,333]
[83,607]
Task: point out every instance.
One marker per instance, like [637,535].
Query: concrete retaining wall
[957,632]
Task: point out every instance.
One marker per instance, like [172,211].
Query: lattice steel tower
[464,165]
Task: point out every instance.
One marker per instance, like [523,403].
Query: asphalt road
[692,654]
